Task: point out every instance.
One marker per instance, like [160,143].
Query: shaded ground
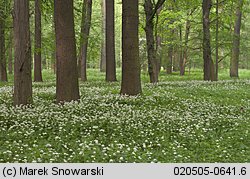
[175,121]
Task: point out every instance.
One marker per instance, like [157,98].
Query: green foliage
[172,17]
[175,14]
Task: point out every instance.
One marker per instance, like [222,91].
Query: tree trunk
[110,42]
[67,87]
[234,65]
[53,53]
[149,29]
[3,70]
[209,74]
[37,54]
[158,52]
[176,59]
[22,65]
[217,42]
[169,68]
[131,81]
[183,60]
[53,62]
[180,49]
[158,39]
[10,51]
[85,29]
[83,23]
[103,45]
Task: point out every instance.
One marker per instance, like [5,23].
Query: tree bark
[67,87]
[217,42]
[131,81]
[103,45]
[110,42]
[183,60]
[176,59]
[85,29]
[53,53]
[38,45]
[180,48]
[169,68]
[79,66]
[22,65]
[209,74]
[158,39]
[149,29]
[3,70]
[10,52]
[53,62]
[234,64]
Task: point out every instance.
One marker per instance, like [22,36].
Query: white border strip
[124,171]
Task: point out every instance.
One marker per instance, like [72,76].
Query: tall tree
[150,9]
[234,65]
[149,29]
[209,74]
[11,40]
[53,53]
[110,41]
[131,81]
[3,70]
[67,87]
[181,52]
[184,57]
[176,58]
[10,52]
[37,51]
[85,29]
[103,45]
[158,38]
[217,42]
[22,65]
[169,67]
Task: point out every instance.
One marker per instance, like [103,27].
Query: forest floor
[181,119]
